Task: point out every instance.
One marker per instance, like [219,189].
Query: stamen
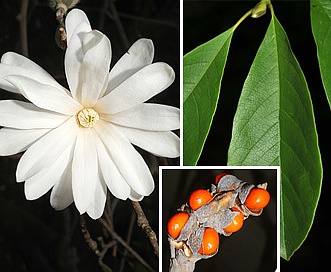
[87,117]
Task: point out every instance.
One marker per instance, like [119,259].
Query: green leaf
[320,14]
[274,125]
[203,71]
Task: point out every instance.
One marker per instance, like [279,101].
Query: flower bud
[259,10]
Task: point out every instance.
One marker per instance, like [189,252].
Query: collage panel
[89,109]
[117,116]
[196,200]
[256,91]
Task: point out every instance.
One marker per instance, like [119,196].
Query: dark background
[203,20]
[33,236]
[253,247]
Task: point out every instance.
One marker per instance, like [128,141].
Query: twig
[61,35]
[91,243]
[108,213]
[21,18]
[128,239]
[144,225]
[94,246]
[118,238]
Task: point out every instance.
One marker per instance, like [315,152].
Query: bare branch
[144,224]
[21,18]
[94,246]
[128,239]
[118,238]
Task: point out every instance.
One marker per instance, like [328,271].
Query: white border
[181,79]
[219,168]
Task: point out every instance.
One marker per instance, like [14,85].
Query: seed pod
[244,190]
[219,176]
[195,239]
[228,183]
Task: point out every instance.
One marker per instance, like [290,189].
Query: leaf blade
[203,70]
[320,14]
[274,125]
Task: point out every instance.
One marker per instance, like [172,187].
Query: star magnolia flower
[79,142]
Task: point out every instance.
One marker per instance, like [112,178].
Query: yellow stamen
[87,117]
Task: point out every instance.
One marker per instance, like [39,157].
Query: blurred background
[253,248]
[33,236]
[204,20]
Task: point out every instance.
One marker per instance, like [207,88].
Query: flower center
[87,117]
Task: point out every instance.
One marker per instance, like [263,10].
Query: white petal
[138,88]
[43,181]
[112,177]
[6,70]
[13,141]
[61,196]
[162,144]
[23,115]
[97,205]
[39,184]
[46,150]
[74,57]
[75,18]
[139,55]
[134,196]
[15,64]
[45,96]
[127,160]
[84,169]
[94,68]
[147,116]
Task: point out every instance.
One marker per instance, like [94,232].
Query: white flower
[80,142]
